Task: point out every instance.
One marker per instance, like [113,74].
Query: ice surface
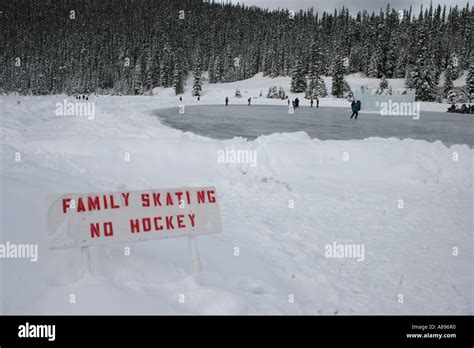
[324,123]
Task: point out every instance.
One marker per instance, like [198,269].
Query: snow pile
[278,217]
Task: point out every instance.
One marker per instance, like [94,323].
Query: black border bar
[261,330]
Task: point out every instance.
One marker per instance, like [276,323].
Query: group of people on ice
[355,105]
[296,103]
[312,101]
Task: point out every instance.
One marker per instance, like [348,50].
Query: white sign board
[86,219]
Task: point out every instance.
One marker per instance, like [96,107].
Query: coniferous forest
[132,46]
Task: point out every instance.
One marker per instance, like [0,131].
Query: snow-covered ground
[253,87]
[408,202]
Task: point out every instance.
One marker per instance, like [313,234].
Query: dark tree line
[132,46]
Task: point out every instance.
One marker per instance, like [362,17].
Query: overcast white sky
[352,5]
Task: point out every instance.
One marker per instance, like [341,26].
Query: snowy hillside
[342,191]
[216,93]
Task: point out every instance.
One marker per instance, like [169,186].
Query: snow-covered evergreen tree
[217,70]
[178,80]
[298,79]
[314,60]
[391,57]
[384,87]
[137,80]
[462,97]
[276,93]
[451,97]
[401,64]
[210,69]
[167,67]
[316,85]
[197,83]
[338,78]
[267,63]
[453,67]
[155,70]
[281,93]
[469,88]
[346,90]
[316,88]
[374,64]
[448,84]
[422,78]
[321,90]
[148,74]
[272,92]
[91,56]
